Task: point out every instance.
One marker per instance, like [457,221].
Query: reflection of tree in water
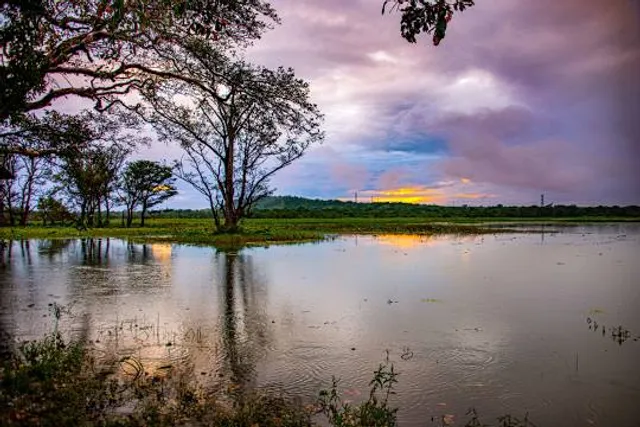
[54,247]
[243,326]
[6,329]
[244,322]
[95,252]
[138,253]
[19,262]
[17,265]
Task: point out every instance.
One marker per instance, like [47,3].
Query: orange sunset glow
[421,195]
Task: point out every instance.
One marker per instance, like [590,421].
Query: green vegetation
[299,207]
[196,227]
[375,411]
[254,231]
[51,383]
[430,17]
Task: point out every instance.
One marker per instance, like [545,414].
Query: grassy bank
[268,231]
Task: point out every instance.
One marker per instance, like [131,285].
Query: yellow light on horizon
[418,195]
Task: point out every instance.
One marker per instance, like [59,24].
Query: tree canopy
[102,49]
[146,184]
[88,181]
[240,130]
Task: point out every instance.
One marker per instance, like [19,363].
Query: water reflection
[5,328]
[124,298]
[95,251]
[495,322]
[53,248]
[244,327]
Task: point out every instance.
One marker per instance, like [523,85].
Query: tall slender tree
[244,128]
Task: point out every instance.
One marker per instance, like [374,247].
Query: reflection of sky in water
[492,321]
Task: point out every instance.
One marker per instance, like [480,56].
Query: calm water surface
[503,323]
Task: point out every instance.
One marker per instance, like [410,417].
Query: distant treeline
[299,207]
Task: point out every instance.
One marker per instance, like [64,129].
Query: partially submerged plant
[375,412]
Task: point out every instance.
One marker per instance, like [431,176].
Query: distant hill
[300,207]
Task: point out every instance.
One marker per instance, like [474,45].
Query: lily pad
[430,300]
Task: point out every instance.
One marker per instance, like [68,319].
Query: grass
[254,231]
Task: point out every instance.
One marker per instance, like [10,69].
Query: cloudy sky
[521,98]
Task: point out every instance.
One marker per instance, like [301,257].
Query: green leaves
[98,39]
[431,17]
[145,183]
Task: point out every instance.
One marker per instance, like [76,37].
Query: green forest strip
[270,231]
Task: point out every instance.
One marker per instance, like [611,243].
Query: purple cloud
[530,96]
[525,97]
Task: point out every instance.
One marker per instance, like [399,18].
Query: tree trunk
[2,218]
[129,216]
[107,211]
[26,210]
[12,219]
[99,221]
[83,215]
[231,220]
[91,212]
[230,216]
[214,212]
[26,203]
[143,213]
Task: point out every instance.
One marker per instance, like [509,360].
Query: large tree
[243,128]
[145,184]
[102,49]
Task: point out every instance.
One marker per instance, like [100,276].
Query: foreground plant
[51,383]
[375,412]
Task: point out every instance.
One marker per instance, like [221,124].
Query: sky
[521,98]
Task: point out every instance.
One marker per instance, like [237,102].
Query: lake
[545,322]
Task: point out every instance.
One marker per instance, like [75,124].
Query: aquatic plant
[374,412]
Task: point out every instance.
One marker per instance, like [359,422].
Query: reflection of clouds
[161,252]
[483,326]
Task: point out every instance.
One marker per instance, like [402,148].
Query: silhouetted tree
[18,194]
[243,129]
[53,211]
[89,179]
[145,184]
